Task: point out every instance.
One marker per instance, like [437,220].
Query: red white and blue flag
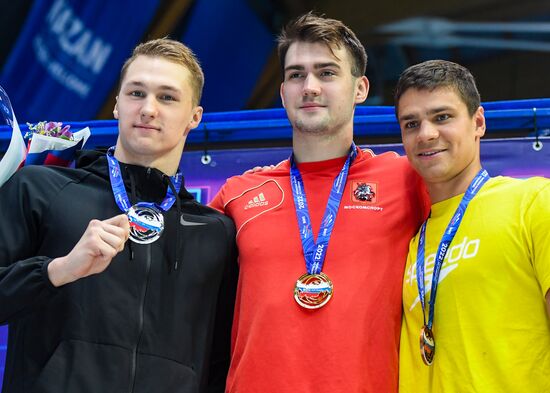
[49,150]
[41,149]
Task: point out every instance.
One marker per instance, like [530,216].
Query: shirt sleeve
[538,218]
[218,202]
[24,282]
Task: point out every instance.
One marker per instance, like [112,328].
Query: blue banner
[69,54]
[233,45]
[525,116]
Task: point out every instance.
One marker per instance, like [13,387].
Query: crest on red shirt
[363,192]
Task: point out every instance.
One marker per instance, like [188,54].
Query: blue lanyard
[119,191]
[315,252]
[448,236]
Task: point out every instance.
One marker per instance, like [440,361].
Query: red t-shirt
[351,344]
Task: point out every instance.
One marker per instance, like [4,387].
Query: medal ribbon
[315,252]
[119,191]
[443,247]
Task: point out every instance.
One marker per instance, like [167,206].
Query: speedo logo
[258,200]
[456,255]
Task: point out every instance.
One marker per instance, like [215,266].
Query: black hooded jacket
[142,325]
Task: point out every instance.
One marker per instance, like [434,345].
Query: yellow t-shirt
[491,327]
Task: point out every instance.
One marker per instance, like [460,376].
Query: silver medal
[146,223]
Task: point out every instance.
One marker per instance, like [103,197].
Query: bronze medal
[427,345]
[313,290]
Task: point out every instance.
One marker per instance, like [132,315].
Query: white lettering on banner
[57,71]
[466,249]
[75,39]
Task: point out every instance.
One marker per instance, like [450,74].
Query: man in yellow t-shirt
[482,324]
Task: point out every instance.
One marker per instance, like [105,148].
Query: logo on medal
[427,345]
[313,290]
[363,192]
[146,223]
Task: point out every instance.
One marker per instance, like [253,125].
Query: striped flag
[41,149]
[49,150]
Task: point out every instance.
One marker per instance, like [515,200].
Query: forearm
[58,273]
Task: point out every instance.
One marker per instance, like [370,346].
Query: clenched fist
[95,250]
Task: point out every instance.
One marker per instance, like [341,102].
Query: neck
[312,148]
[167,163]
[165,168]
[440,191]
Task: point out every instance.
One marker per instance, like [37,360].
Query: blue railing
[272,124]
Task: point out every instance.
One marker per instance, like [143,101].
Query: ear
[281,92]
[115,110]
[479,119]
[196,118]
[361,89]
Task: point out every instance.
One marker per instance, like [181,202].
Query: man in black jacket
[89,311]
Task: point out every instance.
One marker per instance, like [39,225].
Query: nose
[428,131]
[311,86]
[149,108]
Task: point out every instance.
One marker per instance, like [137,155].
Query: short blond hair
[175,52]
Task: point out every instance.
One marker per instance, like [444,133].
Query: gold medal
[427,345]
[313,290]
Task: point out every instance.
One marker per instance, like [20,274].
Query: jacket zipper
[140,318]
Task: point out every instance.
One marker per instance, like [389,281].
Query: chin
[144,150]
[312,128]
[430,175]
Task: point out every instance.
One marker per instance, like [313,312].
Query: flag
[50,150]
[42,149]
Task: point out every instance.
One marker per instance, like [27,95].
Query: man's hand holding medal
[93,253]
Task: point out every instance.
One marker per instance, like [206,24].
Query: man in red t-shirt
[323,236]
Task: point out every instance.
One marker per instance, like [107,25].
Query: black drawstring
[167,180]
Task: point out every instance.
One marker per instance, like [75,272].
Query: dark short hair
[331,32]
[434,74]
[175,52]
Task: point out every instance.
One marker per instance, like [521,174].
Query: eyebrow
[297,67]
[161,87]
[433,111]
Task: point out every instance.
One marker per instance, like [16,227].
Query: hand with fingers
[259,169]
[99,244]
